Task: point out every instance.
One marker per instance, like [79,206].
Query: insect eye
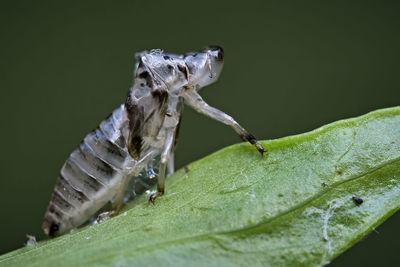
[220,55]
[53,229]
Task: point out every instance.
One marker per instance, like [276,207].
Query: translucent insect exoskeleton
[136,141]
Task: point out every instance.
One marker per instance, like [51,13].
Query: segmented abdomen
[91,175]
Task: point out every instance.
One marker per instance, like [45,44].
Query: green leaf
[234,207]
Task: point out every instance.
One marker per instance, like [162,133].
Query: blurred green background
[290,67]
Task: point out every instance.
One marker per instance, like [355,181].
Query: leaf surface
[293,206]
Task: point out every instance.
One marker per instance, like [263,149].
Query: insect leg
[119,197]
[194,100]
[116,203]
[165,157]
[171,164]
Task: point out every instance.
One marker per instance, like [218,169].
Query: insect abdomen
[90,176]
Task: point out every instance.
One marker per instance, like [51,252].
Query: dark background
[289,68]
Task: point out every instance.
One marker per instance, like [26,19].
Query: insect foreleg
[194,100]
[165,157]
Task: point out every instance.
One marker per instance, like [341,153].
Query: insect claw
[154,196]
[261,149]
[248,137]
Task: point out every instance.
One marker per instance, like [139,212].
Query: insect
[141,130]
